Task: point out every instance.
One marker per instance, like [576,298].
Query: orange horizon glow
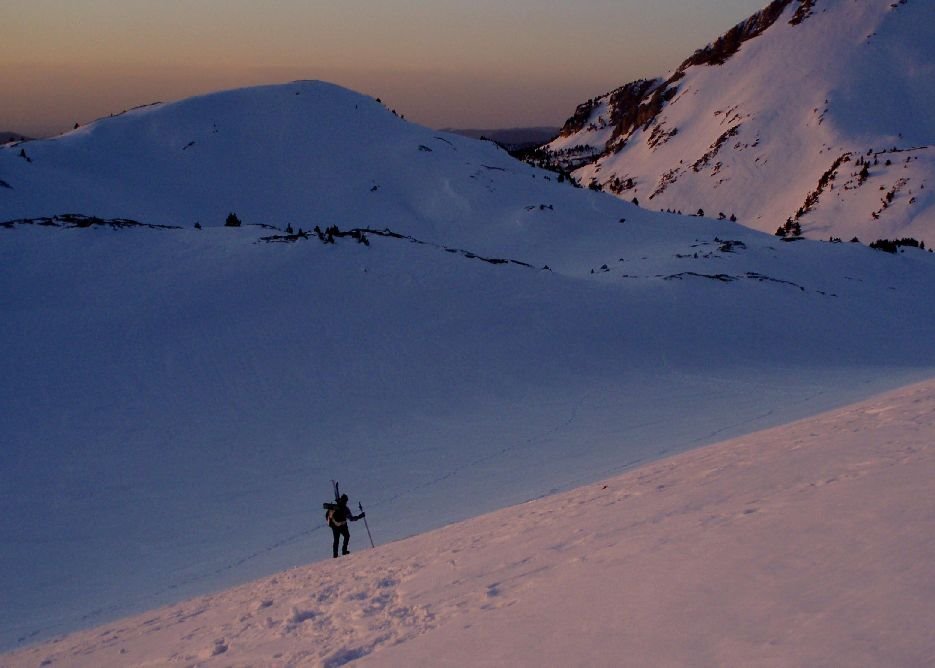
[482,64]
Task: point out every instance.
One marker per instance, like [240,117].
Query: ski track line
[529,442]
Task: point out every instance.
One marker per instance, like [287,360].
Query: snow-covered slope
[306,154]
[805,545]
[176,400]
[776,120]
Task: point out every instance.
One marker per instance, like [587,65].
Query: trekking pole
[361,506]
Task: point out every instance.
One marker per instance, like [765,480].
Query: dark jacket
[340,514]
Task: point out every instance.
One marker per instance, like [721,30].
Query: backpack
[337,514]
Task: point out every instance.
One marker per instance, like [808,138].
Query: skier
[337,519]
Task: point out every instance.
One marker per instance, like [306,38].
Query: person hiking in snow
[337,519]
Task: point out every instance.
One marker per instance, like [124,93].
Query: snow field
[175,402]
[806,544]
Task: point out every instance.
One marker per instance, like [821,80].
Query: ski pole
[361,506]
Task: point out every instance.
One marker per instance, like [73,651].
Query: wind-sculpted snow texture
[465,333]
[805,545]
[749,125]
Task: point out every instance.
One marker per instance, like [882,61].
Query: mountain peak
[754,121]
[270,153]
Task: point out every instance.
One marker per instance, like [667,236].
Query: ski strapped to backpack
[329,505]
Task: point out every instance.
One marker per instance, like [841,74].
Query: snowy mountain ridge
[775,120]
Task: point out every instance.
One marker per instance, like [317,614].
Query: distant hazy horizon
[478,64]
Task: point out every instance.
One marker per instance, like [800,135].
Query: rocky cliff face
[638,103]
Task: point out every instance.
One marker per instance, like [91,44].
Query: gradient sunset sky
[442,63]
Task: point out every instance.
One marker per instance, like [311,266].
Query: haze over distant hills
[11,136]
[816,112]
[512,138]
